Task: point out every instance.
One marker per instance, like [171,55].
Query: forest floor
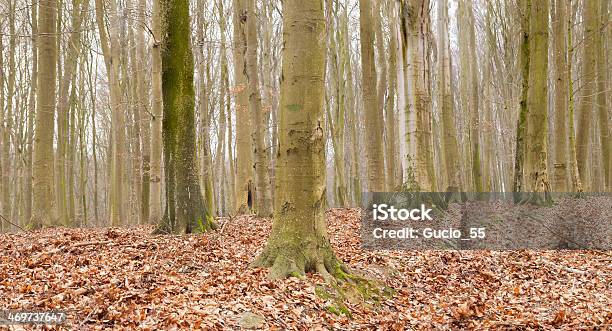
[126,278]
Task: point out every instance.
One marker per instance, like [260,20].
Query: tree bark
[588,88]
[156,119]
[561,168]
[299,242]
[185,211]
[445,102]
[536,157]
[262,179]
[42,179]
[244,143]
[373,114]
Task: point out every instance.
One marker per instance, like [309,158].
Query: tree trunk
[142,109]
[185,211]
[155,202]
[415,25]
[244,143]
[588,87]
[299,242]
[445,102]
[43,182]
[111,51]
[32,114]
[373,114]
[537,101]
[262,179]
[603,86]
[7,120]
[560,183]
[390,117]
[525,12]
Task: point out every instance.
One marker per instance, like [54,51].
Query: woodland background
[419,95]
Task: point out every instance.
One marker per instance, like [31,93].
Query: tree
[373,113]
[111,52]
[155,216]
[414,28]
[185,211]
[299,242]
[603,86]
[588,88]
[244,156]
[525,17]
[561,167]
[469,87]
[445,102]
[262,179]
[536,157]
[43,183]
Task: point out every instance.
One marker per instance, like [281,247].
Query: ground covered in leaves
[127,278]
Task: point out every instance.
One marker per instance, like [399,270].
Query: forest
[159,159]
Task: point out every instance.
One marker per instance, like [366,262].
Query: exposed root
[341,284]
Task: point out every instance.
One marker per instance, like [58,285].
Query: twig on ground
[13,224]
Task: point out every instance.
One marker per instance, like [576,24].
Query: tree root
[341,284]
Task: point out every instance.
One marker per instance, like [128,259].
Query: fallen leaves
[126,278]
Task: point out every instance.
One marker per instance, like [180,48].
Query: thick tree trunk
[536,157]
[415,25]
[298,242]
[43,181]
[185,211]
[588,88]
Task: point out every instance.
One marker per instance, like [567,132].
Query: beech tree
[43,182]
[536,156]
[373,111]
[299,242]
[185,210]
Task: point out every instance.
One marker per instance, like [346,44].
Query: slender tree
[603,86]
[244,143]
[156,119]
[43,183]
[561,167]
[445,102]
[262,180]
[373,113]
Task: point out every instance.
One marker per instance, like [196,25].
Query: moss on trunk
[185,209]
